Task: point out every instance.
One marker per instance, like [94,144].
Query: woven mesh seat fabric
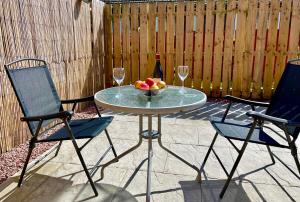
[239,130]
[36,92]
[285,102]
[81,128]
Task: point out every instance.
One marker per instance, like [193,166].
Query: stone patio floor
[189,135]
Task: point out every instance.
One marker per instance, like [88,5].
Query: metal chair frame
[65,116]
[258,121]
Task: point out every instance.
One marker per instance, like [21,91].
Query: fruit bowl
[152,92]
[150,87]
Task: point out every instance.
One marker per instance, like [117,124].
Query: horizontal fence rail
[237,47]
[68,34]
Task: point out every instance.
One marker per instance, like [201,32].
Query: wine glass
[183,72]
[119,75]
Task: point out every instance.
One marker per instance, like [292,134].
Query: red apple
[150,82]
[144,86]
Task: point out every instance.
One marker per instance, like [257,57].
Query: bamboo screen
[237,47]
[68,34]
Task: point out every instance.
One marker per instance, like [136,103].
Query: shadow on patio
[54,179]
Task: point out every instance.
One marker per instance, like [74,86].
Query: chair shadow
[209,190]
[193,191]
[39,187]
[51,189]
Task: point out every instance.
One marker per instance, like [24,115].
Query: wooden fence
[237,47]
[68,34]
[233,46]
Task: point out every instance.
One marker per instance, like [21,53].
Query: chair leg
[58,148]
[208,152]
[294,154]
[85,167]
[233,170]
[271,155]
[31,146]
[80,158]
[111,144]
[236,163]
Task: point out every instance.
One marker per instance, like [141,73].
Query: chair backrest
[285,102]
[34,88]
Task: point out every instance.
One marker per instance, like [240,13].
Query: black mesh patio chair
[282,111]
[41,106]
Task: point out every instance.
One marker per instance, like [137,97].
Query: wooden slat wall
[234,47]
[68,34]
[237,47]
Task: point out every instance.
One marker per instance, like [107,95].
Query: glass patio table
[171,100]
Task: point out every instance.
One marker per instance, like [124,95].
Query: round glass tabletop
[132,100]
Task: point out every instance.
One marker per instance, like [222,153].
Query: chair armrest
[264,117]
[84,99]
[244,101]
[59,115]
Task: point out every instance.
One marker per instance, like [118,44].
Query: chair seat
[238,130]
[81,128]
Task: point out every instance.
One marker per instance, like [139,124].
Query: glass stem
[182,83]
[119,89]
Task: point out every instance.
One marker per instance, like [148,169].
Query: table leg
[120,156]
[150,154]
[173,154]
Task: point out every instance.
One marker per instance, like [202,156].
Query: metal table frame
[150,134]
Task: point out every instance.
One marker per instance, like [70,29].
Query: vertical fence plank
[228,47]
[151,38]
[199,39]
[239,54]
[161,35]
[108,45]
[189,41]
[295,30]
[271,48]
[283,36]
[262,27]
[134,42]
[208,50]
[117,35]
[143,42]
[126,43]
[218,48]
[170,52]
[179,37]
[249,47]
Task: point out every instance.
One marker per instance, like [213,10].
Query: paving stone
[189,135]
[180,134]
